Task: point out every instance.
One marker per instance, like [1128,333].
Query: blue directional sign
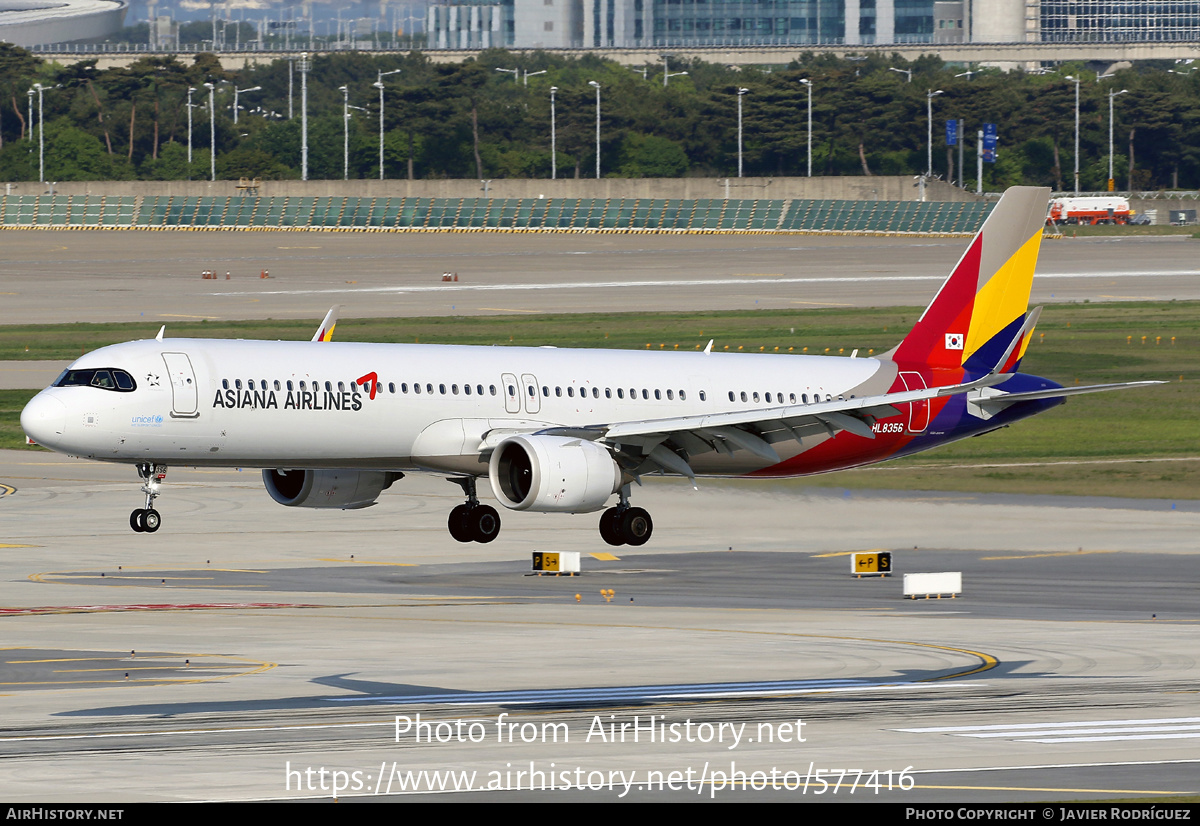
[989,142]
[952,133]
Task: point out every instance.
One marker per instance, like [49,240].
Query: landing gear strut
[623,525]
[471,521]
[147,519]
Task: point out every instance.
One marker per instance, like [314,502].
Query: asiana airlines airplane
[333,425]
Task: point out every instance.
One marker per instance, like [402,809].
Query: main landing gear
[471,521]
[623,525]
[147,519]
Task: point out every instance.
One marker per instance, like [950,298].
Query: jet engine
[345,489]
[553,474]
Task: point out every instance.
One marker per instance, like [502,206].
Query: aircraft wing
[756,430]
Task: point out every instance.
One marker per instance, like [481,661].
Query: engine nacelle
[553,474]
[345,489]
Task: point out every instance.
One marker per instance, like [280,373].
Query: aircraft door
[918,412]
[529,387]
[512,393]
[184,396]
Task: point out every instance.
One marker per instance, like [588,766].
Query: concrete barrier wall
[875,188]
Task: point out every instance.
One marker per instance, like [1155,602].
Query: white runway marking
[706,282]
[1096,731]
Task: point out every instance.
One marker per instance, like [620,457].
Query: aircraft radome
[333,424]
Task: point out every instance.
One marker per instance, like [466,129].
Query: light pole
[236,92]
[212,132]
[1075,80]
[345,132]
[30,93]
[1111,95]
[304,116]
[905,72]
[516,73]
[553,151]
[741,91]
[597,85]
[667,74]
[42,135]
[190,106]
[528,74]
[930,95]
[379,85]
[808,83]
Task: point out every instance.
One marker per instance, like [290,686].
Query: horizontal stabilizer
[1003,400]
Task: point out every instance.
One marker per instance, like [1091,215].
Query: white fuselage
[308,404]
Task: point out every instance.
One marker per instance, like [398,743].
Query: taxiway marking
[1170,728]
[697,282]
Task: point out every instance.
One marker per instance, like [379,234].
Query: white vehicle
[333,425]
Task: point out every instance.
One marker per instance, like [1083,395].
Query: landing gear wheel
[459,523]
[150,520]
[636,526]
[610,527]
[485,523]
[135,520]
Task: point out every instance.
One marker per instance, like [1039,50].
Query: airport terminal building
[34,22]
[566,24]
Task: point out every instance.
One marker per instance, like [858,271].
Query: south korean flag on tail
[954,341]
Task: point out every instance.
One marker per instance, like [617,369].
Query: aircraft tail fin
[979,314]
[325,331]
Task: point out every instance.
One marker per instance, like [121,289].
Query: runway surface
[155,276]
[245,644]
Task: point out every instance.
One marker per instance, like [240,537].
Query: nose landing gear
[147,519]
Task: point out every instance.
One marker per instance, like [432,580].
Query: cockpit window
[105,378]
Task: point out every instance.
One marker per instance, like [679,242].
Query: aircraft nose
[44,419]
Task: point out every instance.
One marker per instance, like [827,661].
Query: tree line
[468,120]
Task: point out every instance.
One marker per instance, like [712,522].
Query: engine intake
[337,488]
[553,474]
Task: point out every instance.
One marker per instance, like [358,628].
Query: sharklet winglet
[325,331]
